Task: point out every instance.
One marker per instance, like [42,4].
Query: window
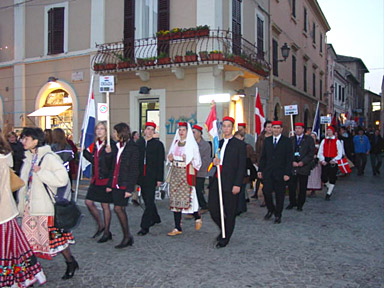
[293,70]
[275,54]
[314,32]
[236,26]
[65,119]
[314,84]
[339,93]
[260,37]
[146,18]
[294,8]
[343,94]
[335,90]
[305,20]
[305,78]
[56,24]
[321,89]
[321,43]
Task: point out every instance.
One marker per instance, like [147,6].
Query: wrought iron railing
[204,47]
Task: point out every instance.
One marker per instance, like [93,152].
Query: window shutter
[129,28]
[236,26]
[56,30]
[163,23]
[293,70]
[275,55]
[260,38]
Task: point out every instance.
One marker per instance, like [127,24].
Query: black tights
[96,215]
[177,217]
[123,219]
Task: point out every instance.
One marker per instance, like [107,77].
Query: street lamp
[284,52]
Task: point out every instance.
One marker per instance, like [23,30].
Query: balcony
[183,49]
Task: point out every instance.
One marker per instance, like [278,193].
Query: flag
[87,134]
[334,121]
[316,122]
[211,124]
[344,166]
[259,115]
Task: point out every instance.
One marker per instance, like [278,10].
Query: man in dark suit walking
[152,158]
[275,169]
[303,156]
[232,163]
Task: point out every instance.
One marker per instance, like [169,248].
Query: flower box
[190,58]
[202,32]
[178,59]
[239,60]
[175,35]
[163,37]
[216,56]
[110,66]
[98,67]
[123,65]
[189,34]
[204,56]
[162,61]
[149,62]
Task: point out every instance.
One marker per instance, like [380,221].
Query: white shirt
[222,150]
[120,150]
[276,137]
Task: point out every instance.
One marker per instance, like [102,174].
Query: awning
[50,111]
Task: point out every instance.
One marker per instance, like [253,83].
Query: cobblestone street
[330,244]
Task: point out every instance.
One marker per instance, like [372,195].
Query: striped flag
[259,115]
[211,124]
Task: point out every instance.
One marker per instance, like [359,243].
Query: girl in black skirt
[101,158]
[124,176]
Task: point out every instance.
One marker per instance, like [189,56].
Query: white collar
[277,138]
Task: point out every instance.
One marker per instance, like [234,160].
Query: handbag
[16,182]
[162,191]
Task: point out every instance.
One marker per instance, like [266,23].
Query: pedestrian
[276,169]
[362,148]
[248,138]
[135,136]
[377,146]
[152,158]
[205,154]
[17,152]
[267,132]
[48,136]
[42,166]
[62,148]
[314,179]
[18,264]
[101,158]
[303,157]
[347,139]
[123,177]
[330,151]
[185,160]
[232,161]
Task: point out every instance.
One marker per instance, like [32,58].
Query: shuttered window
[163,24]
[56,30]
[129,28]
[305,78]
[260,37]
[314,84]
[275,54]
[321,89]
[294,8]
[236,26]
[305,20]
[293,70]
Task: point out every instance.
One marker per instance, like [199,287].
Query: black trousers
[328,173]
[200,192]
[230,203]
[302,180]
[150,215]
[361,161]
[277,186]
[376,162]
[242,206]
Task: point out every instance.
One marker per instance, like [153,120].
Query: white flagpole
[221,200]
[86,118]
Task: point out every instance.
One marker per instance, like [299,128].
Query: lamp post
[284,52]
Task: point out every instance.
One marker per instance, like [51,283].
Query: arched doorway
[276,112]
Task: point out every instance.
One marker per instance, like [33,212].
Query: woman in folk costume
[184,157]
[42,166]
[314,179]
[330,151]
[18,264]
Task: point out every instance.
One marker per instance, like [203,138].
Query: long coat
[8,209]
[307,152]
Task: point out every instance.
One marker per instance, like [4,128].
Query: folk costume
[330,149]
[314,179]
[18,263]
[151,161]
[182,192]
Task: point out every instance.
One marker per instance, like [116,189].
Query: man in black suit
[275,169]
[232,163]
[151,175]
[303,157]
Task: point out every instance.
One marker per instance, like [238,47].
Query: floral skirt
[46,241]
[18,264]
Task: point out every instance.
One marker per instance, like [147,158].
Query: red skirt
[18,264]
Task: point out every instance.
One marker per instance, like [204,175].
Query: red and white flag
[259,115]
[344,166]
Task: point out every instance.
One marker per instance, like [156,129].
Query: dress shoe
[98,233]
[278,220]
[198,224]
[71,268]
[290,206]
[299,209]
[219,237]
[125,243]
[105,238]
[175,232]
[143,232]
[268,215]
[327,197]
[221,244]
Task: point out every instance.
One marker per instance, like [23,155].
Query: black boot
[71,268]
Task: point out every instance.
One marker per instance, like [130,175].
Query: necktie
[275,143]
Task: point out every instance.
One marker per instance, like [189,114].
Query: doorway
[149,112]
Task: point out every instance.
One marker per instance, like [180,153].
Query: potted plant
[204,56]
[190,56]
[229,57]
[150,61]
[178,59]
[163,35]
[216,55]
[176,33]
[202,30]
[110,66]
[163,58]
[189,33]
[98,66]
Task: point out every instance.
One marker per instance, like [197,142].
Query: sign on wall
[107,84]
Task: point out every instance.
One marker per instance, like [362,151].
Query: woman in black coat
[101,159]
[123,177]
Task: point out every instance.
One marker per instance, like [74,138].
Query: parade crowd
[270,167]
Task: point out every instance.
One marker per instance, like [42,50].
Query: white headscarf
[191,148]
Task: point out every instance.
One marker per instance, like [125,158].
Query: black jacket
[155,156]
[18,156]
[105,160]
[377,144]
[234,164]
[276,162]
[129,167]
[307,152]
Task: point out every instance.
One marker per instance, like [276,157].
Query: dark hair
[58,137]
[5,148]
[123,131]
[241,133]
[48,136]
[134,133]
[35,133]
[266,123]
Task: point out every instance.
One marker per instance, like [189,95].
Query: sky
[357,30]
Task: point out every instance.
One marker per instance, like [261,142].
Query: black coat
[377,146]
[105,160]
[18,156]
[155,157]
[307,152]
[129,167]
[234,164]
[275,163]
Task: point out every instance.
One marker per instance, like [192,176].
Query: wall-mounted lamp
[285,52]
[53,83]
[144,90]
[240,93]
[52,79]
